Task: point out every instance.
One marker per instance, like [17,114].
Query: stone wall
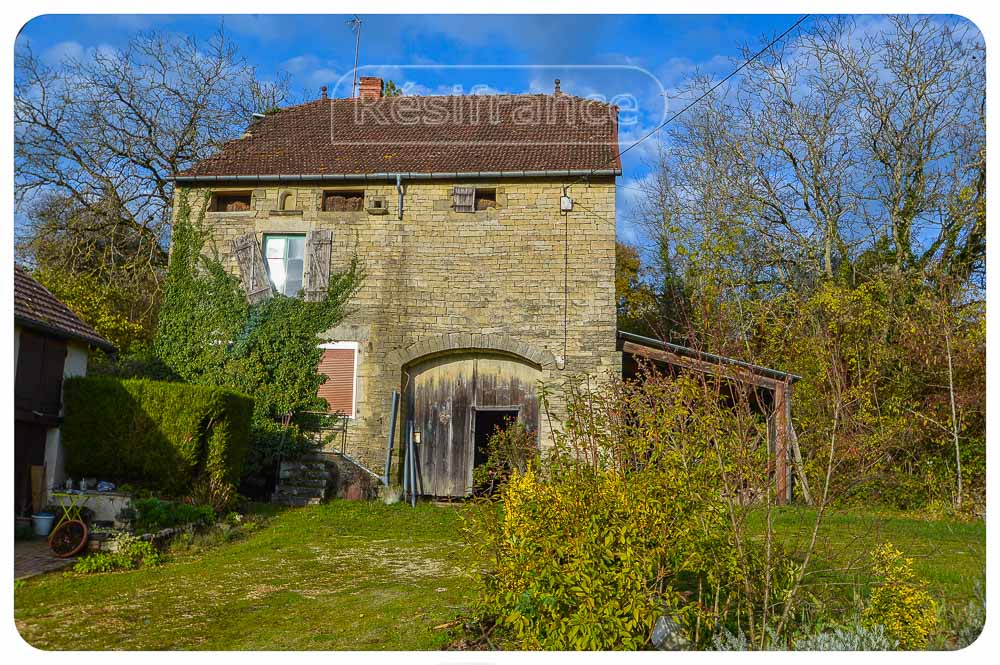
[439,279]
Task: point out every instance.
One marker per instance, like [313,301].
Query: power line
[703,96]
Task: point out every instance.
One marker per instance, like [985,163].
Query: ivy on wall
[209,334]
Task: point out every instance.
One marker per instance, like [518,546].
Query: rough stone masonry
[504,277]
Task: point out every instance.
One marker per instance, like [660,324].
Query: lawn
[344,575]
[950,555]
[352,575]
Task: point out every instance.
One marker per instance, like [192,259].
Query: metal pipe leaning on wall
[393,409]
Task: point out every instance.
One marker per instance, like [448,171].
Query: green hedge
[162,435]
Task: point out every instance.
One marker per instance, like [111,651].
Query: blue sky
[607,56]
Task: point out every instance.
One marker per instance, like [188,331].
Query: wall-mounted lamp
[416,437]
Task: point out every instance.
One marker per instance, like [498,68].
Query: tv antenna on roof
[355,24]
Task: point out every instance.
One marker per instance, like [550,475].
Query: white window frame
[355,346]
[267,265]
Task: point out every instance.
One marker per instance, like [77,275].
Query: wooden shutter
[253,270]
[338,389]
[319,245]
[464,199]
[38,382]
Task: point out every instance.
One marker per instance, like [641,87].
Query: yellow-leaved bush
[900,601]
[620,522]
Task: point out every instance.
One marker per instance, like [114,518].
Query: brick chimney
[370,88]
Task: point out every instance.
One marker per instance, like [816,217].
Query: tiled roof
[430,134]
[35,306]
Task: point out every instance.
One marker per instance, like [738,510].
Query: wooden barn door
[442,393]
[444,397]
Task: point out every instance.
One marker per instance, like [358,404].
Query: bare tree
[846,146]
[100,134]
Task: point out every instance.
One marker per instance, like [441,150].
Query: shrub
[850,638]
[127,553]
[900,602]
[214,493]
[153,514]
[164,435]
[620,522]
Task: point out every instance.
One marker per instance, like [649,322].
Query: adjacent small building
[50,344]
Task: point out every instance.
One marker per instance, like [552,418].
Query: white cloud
[68,50]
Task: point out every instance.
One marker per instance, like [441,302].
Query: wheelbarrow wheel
[68,539]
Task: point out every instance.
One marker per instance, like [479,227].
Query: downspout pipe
[399,190]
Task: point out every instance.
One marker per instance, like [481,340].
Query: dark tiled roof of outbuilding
[36,307]
[431,134]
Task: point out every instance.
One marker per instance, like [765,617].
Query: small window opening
[486,199]
[285,201]
[230,202]
[343,201]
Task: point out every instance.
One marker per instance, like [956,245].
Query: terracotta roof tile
[432,134]
[35,306]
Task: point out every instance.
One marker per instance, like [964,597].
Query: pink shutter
[338,389]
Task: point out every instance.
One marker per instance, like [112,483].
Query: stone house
[51,344]
[486,227]
[482,280]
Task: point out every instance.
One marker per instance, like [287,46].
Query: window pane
[296,247]
[276,269]
[275,248]
[293,276]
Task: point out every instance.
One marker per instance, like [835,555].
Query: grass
[353,575]
[949,554]
[344,575]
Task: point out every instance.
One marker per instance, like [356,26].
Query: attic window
[344,201]
[486,199]
[230,202]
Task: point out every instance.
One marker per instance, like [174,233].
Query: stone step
[316,458]
[300,490]
[295,501]
[300,481]
[321,476]
[304,467]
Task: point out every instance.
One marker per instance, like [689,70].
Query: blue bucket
[42,523]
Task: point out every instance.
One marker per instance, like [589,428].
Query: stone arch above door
[471,342]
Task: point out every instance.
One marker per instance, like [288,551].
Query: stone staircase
[305,481]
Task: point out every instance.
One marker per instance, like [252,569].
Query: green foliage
[152,514]
[391,89]
[210,335]
[164,435]
[102,304]
[900,602]
[126,553]
[139,363]
[885,344]
[510,448]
